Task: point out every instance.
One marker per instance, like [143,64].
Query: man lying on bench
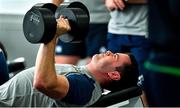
[47,84]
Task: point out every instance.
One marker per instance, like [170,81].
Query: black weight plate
[82,24]
[50,6]
[39,25]
[60,7]
[79,22]
[83,19]
[33,26]
[69,14]
[78,16]
[50,26]
[77,4]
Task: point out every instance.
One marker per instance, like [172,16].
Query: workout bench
[113,98]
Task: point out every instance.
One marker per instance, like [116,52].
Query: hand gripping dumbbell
[39,24]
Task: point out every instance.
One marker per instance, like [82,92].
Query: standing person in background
[95,42]
[127,30]
[161,80]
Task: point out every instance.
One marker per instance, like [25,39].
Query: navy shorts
[94,43]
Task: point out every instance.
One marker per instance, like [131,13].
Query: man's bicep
[59,89]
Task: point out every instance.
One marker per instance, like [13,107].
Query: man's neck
[99,76]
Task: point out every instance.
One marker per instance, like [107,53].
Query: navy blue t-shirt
[80,88]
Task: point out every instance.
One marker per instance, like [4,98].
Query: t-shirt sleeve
[80,89]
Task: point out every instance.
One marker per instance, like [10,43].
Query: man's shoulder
[65,68]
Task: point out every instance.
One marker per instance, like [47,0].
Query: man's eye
[115,56]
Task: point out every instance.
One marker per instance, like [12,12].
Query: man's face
[107,62]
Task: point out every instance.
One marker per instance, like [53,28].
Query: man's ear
[115,75]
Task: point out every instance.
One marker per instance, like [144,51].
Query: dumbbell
[39,23]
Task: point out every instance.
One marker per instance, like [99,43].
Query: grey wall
[11,35]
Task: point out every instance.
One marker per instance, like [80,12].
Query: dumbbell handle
[63,25]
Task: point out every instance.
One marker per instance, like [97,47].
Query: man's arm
[45,78]
[57,2]
[114,4]
[120,4]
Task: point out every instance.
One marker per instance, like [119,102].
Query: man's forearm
[45,60]
[136,1]
[45,74]
[45,78]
